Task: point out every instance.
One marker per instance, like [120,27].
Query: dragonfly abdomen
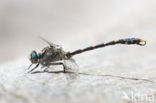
[127,41]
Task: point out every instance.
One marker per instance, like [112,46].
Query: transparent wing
[72,69]
[71,65]
[50,43]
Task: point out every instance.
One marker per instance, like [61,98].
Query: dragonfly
[53,54]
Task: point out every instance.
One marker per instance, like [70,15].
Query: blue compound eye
[34,55]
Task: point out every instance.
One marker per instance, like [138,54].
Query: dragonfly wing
[71,65]
[50,43]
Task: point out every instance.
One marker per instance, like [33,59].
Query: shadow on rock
[73,75]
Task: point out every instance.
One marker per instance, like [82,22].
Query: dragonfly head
[33,57]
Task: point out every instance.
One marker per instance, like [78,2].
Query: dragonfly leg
[45,68]
[58,63]
[33,68]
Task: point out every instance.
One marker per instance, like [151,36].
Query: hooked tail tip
[142,42]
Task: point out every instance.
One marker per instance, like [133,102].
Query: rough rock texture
[104,76]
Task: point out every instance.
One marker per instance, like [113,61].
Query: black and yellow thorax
[51,54]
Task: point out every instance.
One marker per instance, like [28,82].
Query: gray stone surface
[104,76]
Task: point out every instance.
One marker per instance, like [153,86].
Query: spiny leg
[58,63]
[30,66]
[45,70]
[33,68]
